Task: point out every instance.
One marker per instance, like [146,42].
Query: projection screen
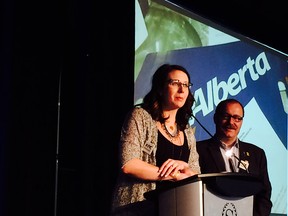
[222,64]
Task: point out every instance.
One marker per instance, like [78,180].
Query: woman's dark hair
[152,102]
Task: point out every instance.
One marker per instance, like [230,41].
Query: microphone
[230,154]
[231,164]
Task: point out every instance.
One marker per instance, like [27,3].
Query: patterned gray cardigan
[138,139]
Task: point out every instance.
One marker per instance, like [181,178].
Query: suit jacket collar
[215,153]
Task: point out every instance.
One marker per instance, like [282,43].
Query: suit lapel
[244,155]
[216,156]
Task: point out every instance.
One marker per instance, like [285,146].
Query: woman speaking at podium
[157,145]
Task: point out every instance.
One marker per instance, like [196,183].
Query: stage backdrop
[222,64]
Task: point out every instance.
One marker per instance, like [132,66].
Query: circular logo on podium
[229,209]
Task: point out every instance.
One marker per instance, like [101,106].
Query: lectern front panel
[219,194]
[217,205]
[184,200]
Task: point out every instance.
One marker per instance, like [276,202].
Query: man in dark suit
[224,152]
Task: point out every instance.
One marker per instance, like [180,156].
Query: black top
[166,150]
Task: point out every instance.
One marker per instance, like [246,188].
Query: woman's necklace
[173,135]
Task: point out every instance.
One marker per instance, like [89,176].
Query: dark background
[66,83]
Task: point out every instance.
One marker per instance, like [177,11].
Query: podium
[219,194]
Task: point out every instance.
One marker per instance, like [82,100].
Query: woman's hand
[176,169]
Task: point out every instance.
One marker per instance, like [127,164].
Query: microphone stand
[243,164]
[57,149]
[202,126]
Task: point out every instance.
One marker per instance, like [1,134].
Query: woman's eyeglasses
[177,83]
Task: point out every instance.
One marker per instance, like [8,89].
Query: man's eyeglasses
[227,117]
[177,83]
